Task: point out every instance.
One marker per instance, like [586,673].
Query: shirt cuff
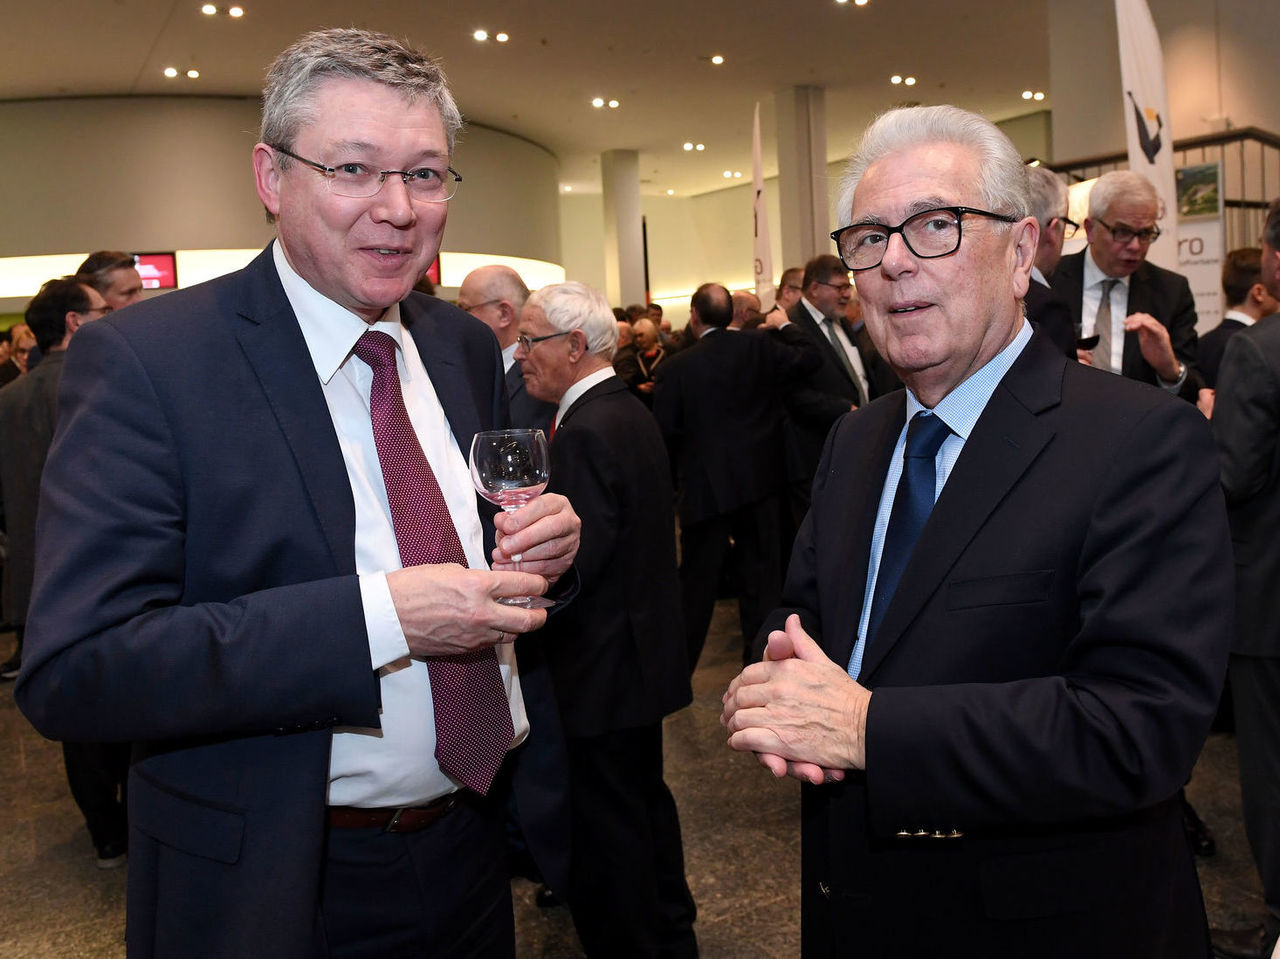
[386,638]
[1176,385]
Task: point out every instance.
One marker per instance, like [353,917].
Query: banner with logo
[763,255]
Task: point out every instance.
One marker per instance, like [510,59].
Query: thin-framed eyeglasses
[1069,226]
[100,310]
[1125,235]
[928,234]
[358,181]
[838,287]
[526,342]
[471,307]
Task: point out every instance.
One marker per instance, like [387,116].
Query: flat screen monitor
[159,271]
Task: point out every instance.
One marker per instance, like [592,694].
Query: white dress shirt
[850,349]
[1093,280]
[394,765]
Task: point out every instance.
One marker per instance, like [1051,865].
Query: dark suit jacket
[1212,346]
[28,415]
[1246,424]
[202,599]
[1051,315]
[814,404]
[527,412]
[1042,681]
[1162,293]
[617,652]
[719,405]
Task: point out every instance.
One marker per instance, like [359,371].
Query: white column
[623,244]
[802,173]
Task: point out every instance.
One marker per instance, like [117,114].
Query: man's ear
[1026,240]
[266,175]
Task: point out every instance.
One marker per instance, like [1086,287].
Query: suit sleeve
[1182,337]
[1117,725]
[115,650]
[1246,420]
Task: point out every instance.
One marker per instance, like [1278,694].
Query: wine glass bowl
[510,468]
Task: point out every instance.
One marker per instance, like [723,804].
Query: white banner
[1146,115]
[763,256]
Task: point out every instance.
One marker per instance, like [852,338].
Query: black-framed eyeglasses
[1125,235]
[358,181]
[526,342]
[928,235]
[838,287]
[1069,226]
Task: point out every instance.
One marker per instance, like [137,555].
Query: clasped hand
[799,712]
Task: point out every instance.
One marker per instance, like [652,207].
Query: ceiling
[653,57]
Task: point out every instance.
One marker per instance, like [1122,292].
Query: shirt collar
[1239,316]
[817,314]
[574,393]
[961,407]
[330,330]
[509,357]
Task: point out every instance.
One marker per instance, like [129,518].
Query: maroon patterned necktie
[473,718]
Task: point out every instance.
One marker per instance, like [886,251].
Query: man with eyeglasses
[1148,316]
[1004,626]
[1047,310]
[267,566]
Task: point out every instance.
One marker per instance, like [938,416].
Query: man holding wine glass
[263,561]
[616,655]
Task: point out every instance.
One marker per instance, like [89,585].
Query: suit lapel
[1006,440]
[807,322]
[1139,301]
[1068,281]
[612,385]
[274,347]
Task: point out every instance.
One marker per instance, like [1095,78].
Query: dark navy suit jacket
[196,594]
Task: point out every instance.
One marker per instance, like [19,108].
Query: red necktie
[473,718]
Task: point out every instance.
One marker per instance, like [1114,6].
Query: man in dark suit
[495,295]
[1151,335]
[1246,423]
[719,406]
[839,385]
[262,561]
[1047,310]
[995,699]
[1248,301]
[96,771]
[617,653]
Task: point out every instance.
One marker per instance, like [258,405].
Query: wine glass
[509,468]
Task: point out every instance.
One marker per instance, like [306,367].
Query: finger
[778,646]
[515,620]
[807,773]
[775,764]
[504,584]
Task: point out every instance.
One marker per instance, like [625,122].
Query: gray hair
[288,101]
[1048,194]
[1002,179]
[575,306]
[1116,184]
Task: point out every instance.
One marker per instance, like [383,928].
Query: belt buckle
[395,820]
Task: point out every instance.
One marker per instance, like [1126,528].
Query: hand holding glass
[510,468]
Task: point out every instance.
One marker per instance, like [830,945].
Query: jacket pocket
[1010,589]
[184,823]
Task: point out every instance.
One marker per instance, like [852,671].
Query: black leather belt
[403,819]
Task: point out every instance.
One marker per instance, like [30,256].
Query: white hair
[1048,194]
[1116,184]
[1002,181]
[576,306]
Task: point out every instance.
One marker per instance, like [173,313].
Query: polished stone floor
[741,831]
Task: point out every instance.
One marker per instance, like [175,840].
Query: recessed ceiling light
[235,11]
[671,193]
[1038,96]
[613,104]
[208,9]
[700,147]
[501,37]
[688,146]
[193,74]
[859,3]
[728,174]
[171,72]
[597,102]
[895,79]
[480,35]
[909,81]
[1026,94]
[568,188]
[842,1]
[737,174]
[717,59]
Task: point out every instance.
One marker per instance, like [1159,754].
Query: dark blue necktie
[911,507]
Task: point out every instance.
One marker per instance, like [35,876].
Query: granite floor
[741,831]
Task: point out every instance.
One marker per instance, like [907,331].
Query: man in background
[1047,310]
[114,274]
[1143,314]
[616,653]
[1248,301]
